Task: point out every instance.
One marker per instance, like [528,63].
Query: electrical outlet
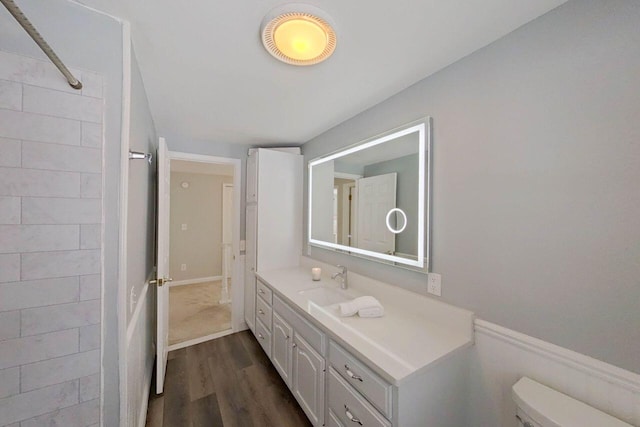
[434,284]
[183,227]
[183,267]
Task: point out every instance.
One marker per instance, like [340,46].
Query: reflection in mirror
[370,199]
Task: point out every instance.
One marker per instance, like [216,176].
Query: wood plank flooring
[225,382]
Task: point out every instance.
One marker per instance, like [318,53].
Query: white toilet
[541,406]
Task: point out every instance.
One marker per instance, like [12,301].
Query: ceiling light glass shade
[298,35]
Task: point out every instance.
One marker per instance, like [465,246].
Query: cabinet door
[250,268]
[308,380]
[252,177]
[282,352]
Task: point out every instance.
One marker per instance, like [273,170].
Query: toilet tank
[541,406]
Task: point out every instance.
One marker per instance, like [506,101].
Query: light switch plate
[183,227]
[434,284]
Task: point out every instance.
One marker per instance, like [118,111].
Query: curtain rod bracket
[135,155]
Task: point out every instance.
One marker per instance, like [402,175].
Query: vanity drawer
[332,420]
[264,337]
[263,312]
[349,407]
[363,379]
[264,292]
[310,333]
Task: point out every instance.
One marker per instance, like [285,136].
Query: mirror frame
[423,127]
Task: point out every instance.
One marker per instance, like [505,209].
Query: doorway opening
[202,248]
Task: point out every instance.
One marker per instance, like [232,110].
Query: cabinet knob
[260,336]
[260,291]
[294,345]
[260,311]
[349,415]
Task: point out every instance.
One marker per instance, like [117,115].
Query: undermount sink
[325,296]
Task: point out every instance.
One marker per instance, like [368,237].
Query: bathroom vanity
[407,368]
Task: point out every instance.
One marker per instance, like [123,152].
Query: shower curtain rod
[35,35]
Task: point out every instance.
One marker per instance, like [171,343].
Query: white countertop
[414,333]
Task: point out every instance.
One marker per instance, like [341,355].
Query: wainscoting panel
[503,356]
[140,357]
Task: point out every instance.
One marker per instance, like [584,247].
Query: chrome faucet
[342,275]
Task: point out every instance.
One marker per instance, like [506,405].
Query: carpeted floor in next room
[195,311]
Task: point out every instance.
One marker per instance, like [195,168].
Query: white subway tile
[10,95]
[38,293]
[38,402]
[90,287]
[9,267]
[10,152]
[10,210]
[38,155]
[43,265]
[92,84]
[33,71]
[38,238]
[90,337]
[30,182]
[89,387]
[61,104]
[59,317]
[9,382]
[61,369]
[9,325]
[19,351]
[91,134]
[81,415]
[91,186]
[44,210]
[38,127]
[90,236]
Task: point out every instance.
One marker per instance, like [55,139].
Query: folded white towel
[366,306]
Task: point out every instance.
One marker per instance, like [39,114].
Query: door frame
[237,292]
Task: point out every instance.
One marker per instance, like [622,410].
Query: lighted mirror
[372,198]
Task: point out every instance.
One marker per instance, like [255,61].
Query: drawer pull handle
[349,415]
[260,311]
[261,291]
[351,374]
[260,336]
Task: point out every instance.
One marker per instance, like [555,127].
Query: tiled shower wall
[50,240]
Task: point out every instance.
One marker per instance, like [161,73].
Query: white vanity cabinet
[352,372]
[308,379]
[281,351]
[273,217]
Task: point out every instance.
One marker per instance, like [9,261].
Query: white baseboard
[194,281]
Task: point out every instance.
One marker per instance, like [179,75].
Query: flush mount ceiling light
[298,34]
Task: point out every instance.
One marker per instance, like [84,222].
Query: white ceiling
[208,77]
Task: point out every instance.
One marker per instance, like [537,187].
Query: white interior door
[162,262]
[376,197]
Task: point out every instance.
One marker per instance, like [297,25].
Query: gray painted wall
[141,204]
[535,179]
[92,41]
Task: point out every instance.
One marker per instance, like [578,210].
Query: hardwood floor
[225,382]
